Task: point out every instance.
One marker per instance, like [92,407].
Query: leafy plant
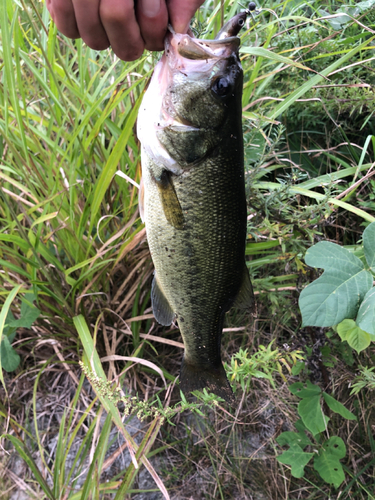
[10,360]
[343,292]
[326,452]
[262,364]
[70,228]
[365,379]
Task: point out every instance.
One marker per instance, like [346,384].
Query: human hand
[128,26]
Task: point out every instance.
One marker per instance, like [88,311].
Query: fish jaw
[197,57]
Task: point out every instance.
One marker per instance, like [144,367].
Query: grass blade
[283,106]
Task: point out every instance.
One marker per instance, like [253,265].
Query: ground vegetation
[80,349]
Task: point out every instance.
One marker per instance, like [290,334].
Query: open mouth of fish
[193,57]
[184,56]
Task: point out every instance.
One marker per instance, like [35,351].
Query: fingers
[152,16]
[89,24]
[128,26]
[62,13]
[181,12]
[104,23]
[120,24]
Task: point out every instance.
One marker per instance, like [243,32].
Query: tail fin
[214,379]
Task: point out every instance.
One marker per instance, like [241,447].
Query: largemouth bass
[193,196]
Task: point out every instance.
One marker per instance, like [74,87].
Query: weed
[71,235]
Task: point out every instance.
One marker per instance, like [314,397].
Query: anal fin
[160,306]
[245,297]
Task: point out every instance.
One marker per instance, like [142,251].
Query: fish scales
[194,203]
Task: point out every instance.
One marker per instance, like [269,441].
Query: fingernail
[150,8]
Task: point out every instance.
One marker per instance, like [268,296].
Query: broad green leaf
[3,315]
[298,367]
[9,358]
[29,313]
[8,330]
[311,413]
[345,327]
[327,462]
[367,4]
[369,245]
[338,21]
[328,255]
[10,333]
[366,314]
[296,458]
[304,390]
[337,407]
[357,338]
[291,438]
[330,469]
[300,426]
[336,295]
[26,319]
[27,301]
[335,446]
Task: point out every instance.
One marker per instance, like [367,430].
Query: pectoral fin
[171,205]
[245,297]
[160,306]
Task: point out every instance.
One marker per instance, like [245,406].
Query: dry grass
[74,235]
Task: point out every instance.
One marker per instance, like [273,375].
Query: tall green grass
[67,120]
[70,229]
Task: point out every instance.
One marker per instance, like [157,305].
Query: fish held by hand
[193,193]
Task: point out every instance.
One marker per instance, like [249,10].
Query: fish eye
[221,86]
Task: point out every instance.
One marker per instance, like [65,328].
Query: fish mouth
[185,52]
[222,47]
[195,58]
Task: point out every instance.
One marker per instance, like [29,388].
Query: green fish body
[194,204]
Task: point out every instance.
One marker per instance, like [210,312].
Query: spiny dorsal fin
[160,306]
